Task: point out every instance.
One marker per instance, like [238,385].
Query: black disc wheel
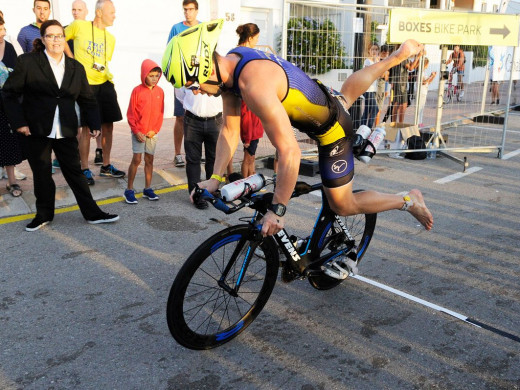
[332,240]
[205,307]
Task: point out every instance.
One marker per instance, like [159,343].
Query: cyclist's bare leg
[344,202]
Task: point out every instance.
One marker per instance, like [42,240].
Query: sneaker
[2,173]
[36,224]
[461,94]
[148,193]
[130,197]
[55,164]
[90,176]
[111,171]
[178,161]
[17,174]
[98,160]
[104,218]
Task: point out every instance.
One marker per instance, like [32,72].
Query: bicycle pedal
[340,269]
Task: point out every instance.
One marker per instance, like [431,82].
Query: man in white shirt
[202,124]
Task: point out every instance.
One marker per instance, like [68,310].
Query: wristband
[220,179]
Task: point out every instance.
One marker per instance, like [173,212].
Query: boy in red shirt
[145,117]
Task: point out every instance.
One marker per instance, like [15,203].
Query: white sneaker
[461,94]
[18,175]
[178,161]
[1,173]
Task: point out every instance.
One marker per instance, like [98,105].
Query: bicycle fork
[233,291]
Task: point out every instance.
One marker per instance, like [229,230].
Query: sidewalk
[165,173]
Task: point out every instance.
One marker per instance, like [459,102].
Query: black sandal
[14,190]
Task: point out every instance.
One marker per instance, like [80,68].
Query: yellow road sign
[463,28]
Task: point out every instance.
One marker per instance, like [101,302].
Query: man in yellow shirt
[93,48]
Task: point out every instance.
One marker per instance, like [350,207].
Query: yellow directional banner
[446,27]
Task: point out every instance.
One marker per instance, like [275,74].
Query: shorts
[178,109]
[459,72]
[147,146]
[251,149]
[336,159]
[106,97]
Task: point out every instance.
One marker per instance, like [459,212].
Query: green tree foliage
[314,46]
[479,54]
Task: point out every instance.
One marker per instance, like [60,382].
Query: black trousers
[66,150]
[196,134]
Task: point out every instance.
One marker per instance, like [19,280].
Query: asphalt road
[83,307]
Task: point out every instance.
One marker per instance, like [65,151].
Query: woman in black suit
[39,97]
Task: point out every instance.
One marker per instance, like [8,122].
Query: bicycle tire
[200,313]
[360,226]
[447,96]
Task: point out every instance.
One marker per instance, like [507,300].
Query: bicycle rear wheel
[203,312]
[332,239]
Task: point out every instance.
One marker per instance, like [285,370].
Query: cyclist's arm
[265,85]
[359,81]
[228,138]
[460,65]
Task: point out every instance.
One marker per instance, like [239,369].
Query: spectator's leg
[193,138]
[84,146]
[107,131]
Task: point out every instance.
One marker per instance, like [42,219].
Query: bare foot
[419,209]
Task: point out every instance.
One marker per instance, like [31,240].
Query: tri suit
[314,111]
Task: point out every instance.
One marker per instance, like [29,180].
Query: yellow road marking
[24,217]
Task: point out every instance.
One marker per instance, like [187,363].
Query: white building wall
[141,30]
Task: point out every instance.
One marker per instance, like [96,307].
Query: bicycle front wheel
[205,308]
[447,96]
[332,239]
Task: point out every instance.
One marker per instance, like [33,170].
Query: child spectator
[145,117]
[424,90]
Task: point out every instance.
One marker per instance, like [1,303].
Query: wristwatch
[278,208]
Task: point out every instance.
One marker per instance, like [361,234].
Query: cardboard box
[397,132]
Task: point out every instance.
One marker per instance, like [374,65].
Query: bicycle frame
[303,261]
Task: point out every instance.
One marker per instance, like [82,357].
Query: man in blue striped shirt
[26,36]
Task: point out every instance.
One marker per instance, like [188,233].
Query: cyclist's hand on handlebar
[211,185]
[271,224]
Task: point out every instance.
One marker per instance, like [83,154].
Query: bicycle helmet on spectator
[189,55]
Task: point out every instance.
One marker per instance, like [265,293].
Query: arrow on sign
[503,31]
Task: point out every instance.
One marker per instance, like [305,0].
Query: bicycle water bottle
[242,187]
[432,153]
[376,138]
[364,131]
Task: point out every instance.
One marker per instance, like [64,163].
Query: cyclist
[459,59]
[282,95]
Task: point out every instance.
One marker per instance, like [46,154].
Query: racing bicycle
[452,91]
[226,282]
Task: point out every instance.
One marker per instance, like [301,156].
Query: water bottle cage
[360,144]
[247,190]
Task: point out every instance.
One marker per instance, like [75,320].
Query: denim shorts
[147,146]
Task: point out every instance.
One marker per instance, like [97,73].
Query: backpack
[415,142]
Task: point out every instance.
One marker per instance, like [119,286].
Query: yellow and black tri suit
[314,111]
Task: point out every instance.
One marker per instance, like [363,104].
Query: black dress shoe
[201,204]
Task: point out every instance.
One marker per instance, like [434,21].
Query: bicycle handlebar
[301,188]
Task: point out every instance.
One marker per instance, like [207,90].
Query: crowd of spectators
[89,46]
